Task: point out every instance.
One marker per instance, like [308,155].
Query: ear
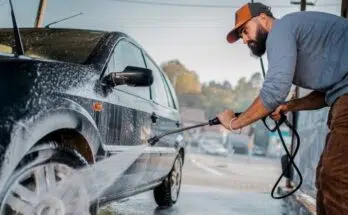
[264,19]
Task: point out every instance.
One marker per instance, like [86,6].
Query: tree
[183,80]
[213,96]
[246,91]
[217,98]
[227,85]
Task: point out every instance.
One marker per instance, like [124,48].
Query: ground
[216,185]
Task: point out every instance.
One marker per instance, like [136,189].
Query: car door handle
[178,123]
[154,117]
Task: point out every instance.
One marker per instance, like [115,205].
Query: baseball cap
[244,14]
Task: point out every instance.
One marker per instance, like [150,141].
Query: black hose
[291,161]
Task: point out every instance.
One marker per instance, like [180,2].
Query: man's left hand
[225,118]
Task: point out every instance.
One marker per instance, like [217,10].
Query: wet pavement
[202,200]
[215,185]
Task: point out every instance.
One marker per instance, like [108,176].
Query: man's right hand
[280,109]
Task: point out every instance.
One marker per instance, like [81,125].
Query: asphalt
[215,186]
[202,200]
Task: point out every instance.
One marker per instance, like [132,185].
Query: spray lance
[271,125]
[211,122]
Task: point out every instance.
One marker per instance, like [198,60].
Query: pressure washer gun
[216,121]
[211,122]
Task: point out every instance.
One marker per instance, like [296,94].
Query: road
[215,185]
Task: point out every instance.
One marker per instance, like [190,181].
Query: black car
[77,98]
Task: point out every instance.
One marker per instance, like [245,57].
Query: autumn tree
[183,80]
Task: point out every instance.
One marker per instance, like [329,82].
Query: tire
[35,184]
[167,193]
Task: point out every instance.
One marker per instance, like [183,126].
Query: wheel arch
[53,124]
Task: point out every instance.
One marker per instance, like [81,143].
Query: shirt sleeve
[281,55]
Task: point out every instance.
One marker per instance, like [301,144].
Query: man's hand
[313,101]
[255,112]
[280,109]
[225,118]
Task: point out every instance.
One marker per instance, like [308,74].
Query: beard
[258,46]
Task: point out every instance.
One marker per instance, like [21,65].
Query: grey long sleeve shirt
[308,49]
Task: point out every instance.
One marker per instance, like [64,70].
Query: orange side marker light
[97,106]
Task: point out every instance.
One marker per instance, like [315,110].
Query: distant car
[213,148]
[76,98]
[258,150]
[238,142]
[212,143]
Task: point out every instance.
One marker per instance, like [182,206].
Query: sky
[196,36]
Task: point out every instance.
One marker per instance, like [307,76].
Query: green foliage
[213,96]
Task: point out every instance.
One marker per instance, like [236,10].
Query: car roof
[84,33]
[71,30]
[55,29]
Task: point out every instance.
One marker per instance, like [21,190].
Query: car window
[158,90]
[170,98]
[127,54]
[172,93]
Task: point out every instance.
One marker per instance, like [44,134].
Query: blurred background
[188,40]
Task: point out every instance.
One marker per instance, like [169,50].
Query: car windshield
[74,46]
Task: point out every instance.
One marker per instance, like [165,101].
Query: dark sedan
[76,98]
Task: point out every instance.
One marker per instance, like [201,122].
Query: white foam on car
[96,178]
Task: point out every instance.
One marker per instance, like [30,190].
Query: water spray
[98,177]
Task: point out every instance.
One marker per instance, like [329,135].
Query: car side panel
[125,122]
[127,125]
[165,151]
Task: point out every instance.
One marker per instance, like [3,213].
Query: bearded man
[308,49]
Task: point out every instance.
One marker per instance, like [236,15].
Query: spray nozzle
[153,140]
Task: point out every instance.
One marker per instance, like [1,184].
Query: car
[259,150]
[212,143]
[73,99]
[213,148]
[238,142]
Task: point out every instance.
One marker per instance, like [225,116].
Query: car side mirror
[131,75]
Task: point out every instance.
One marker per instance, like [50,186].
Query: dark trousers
[332,170]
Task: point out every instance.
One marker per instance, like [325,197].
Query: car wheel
[167,193]
[34,186]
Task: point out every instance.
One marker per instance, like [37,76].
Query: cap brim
[232,36]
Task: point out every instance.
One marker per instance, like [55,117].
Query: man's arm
[255,112]
[313,101]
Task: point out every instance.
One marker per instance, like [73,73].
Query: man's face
[255,36]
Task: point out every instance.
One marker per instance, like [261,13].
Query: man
[310,50]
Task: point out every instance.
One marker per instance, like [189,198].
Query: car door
[165,118]
[126,122]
